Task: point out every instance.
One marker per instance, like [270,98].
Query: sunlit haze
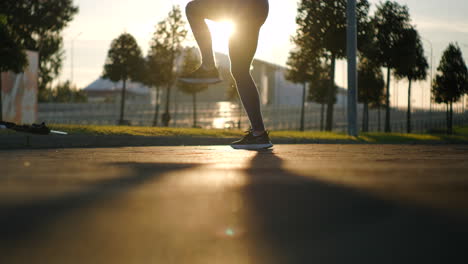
[439,22]
[221,32]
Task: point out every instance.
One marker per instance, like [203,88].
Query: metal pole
[432,72]
[430,88]
[352,68]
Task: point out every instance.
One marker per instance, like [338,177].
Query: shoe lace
[248,133]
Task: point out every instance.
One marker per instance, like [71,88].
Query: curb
[27,141]
[24,141]
[99,141]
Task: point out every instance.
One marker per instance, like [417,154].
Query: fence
[228,115]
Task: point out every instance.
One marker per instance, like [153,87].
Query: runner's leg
[242,48]
[249,16]
[196,14]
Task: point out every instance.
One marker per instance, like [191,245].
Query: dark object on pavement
[40,129]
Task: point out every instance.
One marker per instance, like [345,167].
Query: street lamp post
[352,68]
[72,56]
[432,71]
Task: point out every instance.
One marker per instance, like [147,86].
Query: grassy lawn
[191,132]
[396,138]
[460,136]
[145,131]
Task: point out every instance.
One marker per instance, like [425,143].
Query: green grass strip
[460,135]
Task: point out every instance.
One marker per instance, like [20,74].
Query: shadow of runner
[283,217]
[296,219]
[18,221]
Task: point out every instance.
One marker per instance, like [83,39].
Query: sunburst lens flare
[221,32]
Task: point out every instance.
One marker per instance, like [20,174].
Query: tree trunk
[166,117]
[1,102]
[156,111]
[387,107]
[176,108]
[331,95]
[365,117]
[303,106]
[194,102]
[450,124]
[408,114]
[379,119]
[322,114]
[122,102]
[447,117]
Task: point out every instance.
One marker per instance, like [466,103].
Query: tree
[323,26]
[124,62]
[451,81]
[412,64]
[389,22]
[318,92]
[307,66]
[13,57]
[38,25]
[304,65]
[152,78]
[165,47]
[371,88]
[191,62]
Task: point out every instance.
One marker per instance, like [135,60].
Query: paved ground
[295,204]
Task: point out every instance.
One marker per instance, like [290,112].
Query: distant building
[273,87]
[106,91]
[270,78]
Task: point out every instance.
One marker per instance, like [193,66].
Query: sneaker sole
[252,146]
[200,81]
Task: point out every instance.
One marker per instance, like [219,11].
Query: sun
[221,32]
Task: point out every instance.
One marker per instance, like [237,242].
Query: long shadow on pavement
[290,218]
[297,219]
[18,221]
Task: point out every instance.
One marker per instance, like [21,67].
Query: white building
[106,91]
[270,78]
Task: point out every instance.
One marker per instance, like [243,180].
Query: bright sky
[439,22]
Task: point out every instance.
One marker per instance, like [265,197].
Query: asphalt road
[295,204]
